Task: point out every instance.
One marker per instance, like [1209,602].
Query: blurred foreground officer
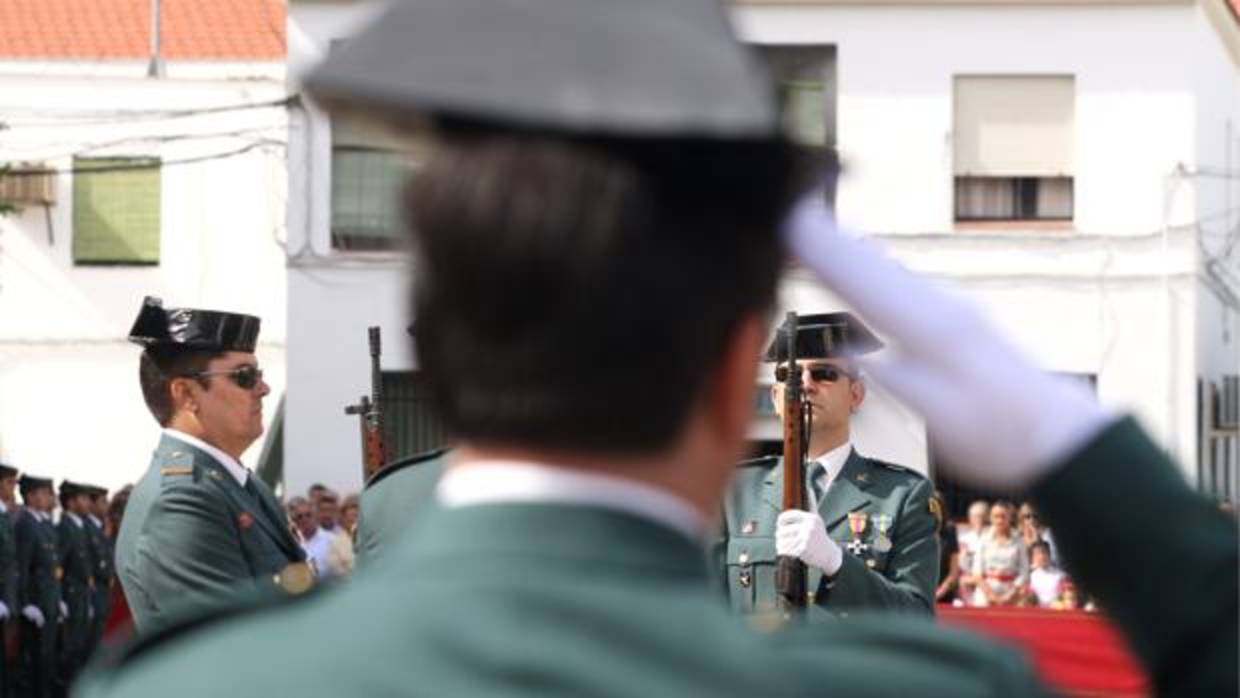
[101,556]
[8,586]
[199,528]
[38,590]
[561,282]
[394,499]
[77,585]
[868,535]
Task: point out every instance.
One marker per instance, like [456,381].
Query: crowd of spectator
[325,526]
[1002,555]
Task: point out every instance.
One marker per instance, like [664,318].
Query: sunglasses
[246,377]
[819,373]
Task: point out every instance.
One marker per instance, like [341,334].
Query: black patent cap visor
[191,328]
[825,336]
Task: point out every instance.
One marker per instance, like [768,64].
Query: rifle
[790,572]
[374,446]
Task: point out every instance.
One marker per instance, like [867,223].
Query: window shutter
[116,210]
[1014,126]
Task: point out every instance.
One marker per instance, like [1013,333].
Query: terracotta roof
[120,29]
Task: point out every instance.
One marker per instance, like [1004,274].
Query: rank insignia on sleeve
[244,520]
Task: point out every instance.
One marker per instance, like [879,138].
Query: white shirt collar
[95,520]
[74,518]
[3,508]
[832,463]
[494,482]
[230,464]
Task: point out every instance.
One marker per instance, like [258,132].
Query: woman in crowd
[1001,563]
[968,537]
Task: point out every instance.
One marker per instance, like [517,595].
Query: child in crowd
[1046,582]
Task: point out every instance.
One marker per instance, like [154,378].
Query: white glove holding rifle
[34,615]
[803,535]
[995,417]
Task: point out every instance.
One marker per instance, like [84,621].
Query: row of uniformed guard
[55,580]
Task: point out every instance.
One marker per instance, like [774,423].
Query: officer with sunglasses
[867,535]
[200,529]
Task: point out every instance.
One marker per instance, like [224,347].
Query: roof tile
[103,29]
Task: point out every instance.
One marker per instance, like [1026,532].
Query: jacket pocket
[751,573]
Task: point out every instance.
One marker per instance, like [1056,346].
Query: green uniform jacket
[77,584]
[392,500]
[8,565]
[193,537]
[543,600]
[38,564]
[101,555]
[895,566]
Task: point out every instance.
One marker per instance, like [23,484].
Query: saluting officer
[101,555]
[868,533]
[38,592]
[78,583]
[200,528]
[600,228]
[8,581]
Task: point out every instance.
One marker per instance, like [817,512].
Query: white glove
[4,611]
[995,418]
[64,611]
[34,615]
[803,534]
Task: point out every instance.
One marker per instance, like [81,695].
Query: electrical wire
[111,116]
[153,164]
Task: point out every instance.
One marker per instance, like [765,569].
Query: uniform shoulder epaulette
[396,466]
[759,462]
[179,465]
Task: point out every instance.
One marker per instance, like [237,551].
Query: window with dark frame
[1013,148]
[368,176]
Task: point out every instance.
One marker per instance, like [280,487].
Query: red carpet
[1076,652]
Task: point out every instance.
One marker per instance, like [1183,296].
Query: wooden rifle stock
[374,445]
[790,572]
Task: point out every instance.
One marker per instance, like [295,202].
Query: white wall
[69,399]
[1135,117]
[333,296]
[1110,297]
[1216,187]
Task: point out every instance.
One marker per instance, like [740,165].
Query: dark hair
[575,294]
[1039,545]
[156,369]
[116,509]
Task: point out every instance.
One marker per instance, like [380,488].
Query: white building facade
[1070,166]
[128,185]
[1126,118]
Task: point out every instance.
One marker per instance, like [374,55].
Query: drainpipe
[155,69]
